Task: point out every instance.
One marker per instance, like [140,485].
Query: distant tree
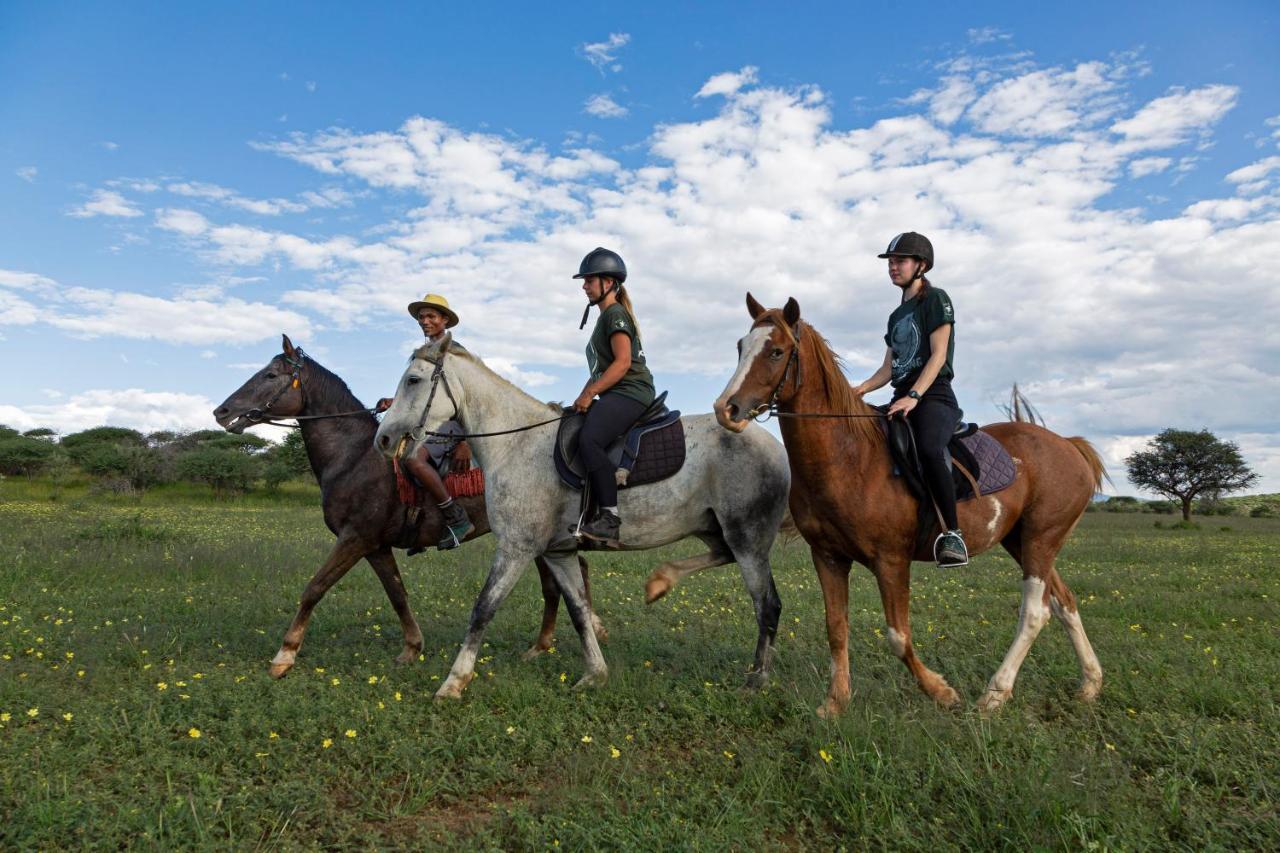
[42,433]
[1182,465]
[115,453]
[226,470]
[8,431]
[20,454]
[287,460]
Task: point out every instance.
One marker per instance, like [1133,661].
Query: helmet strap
[586,312]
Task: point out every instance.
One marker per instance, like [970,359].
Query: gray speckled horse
[731,494]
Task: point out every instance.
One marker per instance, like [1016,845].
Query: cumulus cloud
[728,82]
[603,55]
[222,195]
[135,408]
[1176,117]
[1144,166]
[27,173]
[106,203]
[603,106]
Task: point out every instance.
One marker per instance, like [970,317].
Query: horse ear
[286,346]
[755,309]
[791,311]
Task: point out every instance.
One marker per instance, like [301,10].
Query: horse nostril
[220,411]
[733,411]
[384,441]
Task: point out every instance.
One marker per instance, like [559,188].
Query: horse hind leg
[1063,604]
[894,581]
[664,578]
[384,564]
[1033,614]
[757,574]
[573,588]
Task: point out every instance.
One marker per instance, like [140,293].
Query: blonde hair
[625,301]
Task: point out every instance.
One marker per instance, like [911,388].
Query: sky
[181,184]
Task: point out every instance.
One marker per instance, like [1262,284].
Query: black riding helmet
[601,261]
[909,244]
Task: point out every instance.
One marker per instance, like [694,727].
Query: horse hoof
[656,587]
[280,670]
[592,679]
[453,687]
[992,700]
[831,709]
[757,680]
[533,651]
[408,656]
[1089,691]
[948,698]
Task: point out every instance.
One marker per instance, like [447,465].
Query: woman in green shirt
[921,344]
[619,379]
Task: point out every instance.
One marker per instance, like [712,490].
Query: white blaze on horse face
[753,343]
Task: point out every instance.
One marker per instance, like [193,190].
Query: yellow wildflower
[510,729]
[33,712]
[373,679]
[326,743]
[193,732]
[160,685]
[335,681]
[350,733]
[586,738]
[67,716]
[824,755]
[614,752]
[273,736]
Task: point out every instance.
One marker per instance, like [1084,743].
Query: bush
[1122,503]
[227,471]
[26,456]
[1163,507]
[1262,511]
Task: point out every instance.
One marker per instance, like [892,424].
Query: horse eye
[777,353]
[414,380]
[272,375]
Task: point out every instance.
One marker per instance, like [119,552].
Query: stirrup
[951,563]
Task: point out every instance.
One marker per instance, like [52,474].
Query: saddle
[652,450]
[979,463]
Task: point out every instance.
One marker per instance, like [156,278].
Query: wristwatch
[913,394]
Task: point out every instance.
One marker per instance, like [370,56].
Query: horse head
[275,391]
[766,360]
[424,399]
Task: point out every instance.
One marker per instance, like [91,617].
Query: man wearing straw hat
[435,316]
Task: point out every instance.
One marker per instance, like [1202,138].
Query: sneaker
[456,526]
[603,529]
[950,551]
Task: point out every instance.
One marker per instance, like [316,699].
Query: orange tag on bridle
[295,383]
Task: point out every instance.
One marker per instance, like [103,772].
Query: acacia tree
[1182,464]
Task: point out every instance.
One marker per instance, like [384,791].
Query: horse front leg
[894,579]
[504,573]
[551,605]
[833,577]
[345,554]
[384,564]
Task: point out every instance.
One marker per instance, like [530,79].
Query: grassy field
[135,706]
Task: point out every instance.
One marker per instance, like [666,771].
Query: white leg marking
[1090,669]
[897,643]
[1032,616]
[285,657]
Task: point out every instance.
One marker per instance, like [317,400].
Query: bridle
[296,361]
[770,409]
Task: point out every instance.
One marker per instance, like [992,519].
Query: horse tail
[1096,469]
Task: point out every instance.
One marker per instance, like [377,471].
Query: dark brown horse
[358,493]
[848,507]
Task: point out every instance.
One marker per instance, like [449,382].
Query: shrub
[27,456]
[1262,511]
[227,471]
[1122,503]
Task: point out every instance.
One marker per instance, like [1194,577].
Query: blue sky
[178,185]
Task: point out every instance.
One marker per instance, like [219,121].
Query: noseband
[295,361]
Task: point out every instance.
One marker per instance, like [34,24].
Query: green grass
[146,620]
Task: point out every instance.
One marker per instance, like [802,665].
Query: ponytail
[625,301]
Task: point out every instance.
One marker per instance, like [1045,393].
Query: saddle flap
[626,451]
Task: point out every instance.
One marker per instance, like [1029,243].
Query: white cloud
[27,173]
[1047,102]
[186,222]
[110,146]
[986,35]
[1175,118]
[135,408]
[106,203]
[1148,166]
[604,54]
[311,85]
[603,106]
[728,83]
[222,195]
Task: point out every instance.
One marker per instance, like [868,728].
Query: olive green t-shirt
[637,382]
[910,325]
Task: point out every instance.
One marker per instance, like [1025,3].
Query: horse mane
[426,353]
[818,358]
[326,390]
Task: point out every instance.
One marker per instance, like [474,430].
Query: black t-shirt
[908,332]
[637,382]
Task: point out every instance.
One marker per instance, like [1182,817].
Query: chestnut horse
[848,506]
[358,493]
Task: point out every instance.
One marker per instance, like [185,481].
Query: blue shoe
[456,527]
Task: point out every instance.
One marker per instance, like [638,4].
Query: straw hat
[439,303]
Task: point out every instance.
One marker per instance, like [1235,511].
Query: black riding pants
[607,419]
[933,421]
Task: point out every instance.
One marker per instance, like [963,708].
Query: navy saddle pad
[652,450]
[983,456]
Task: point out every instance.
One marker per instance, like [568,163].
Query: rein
[420,433]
